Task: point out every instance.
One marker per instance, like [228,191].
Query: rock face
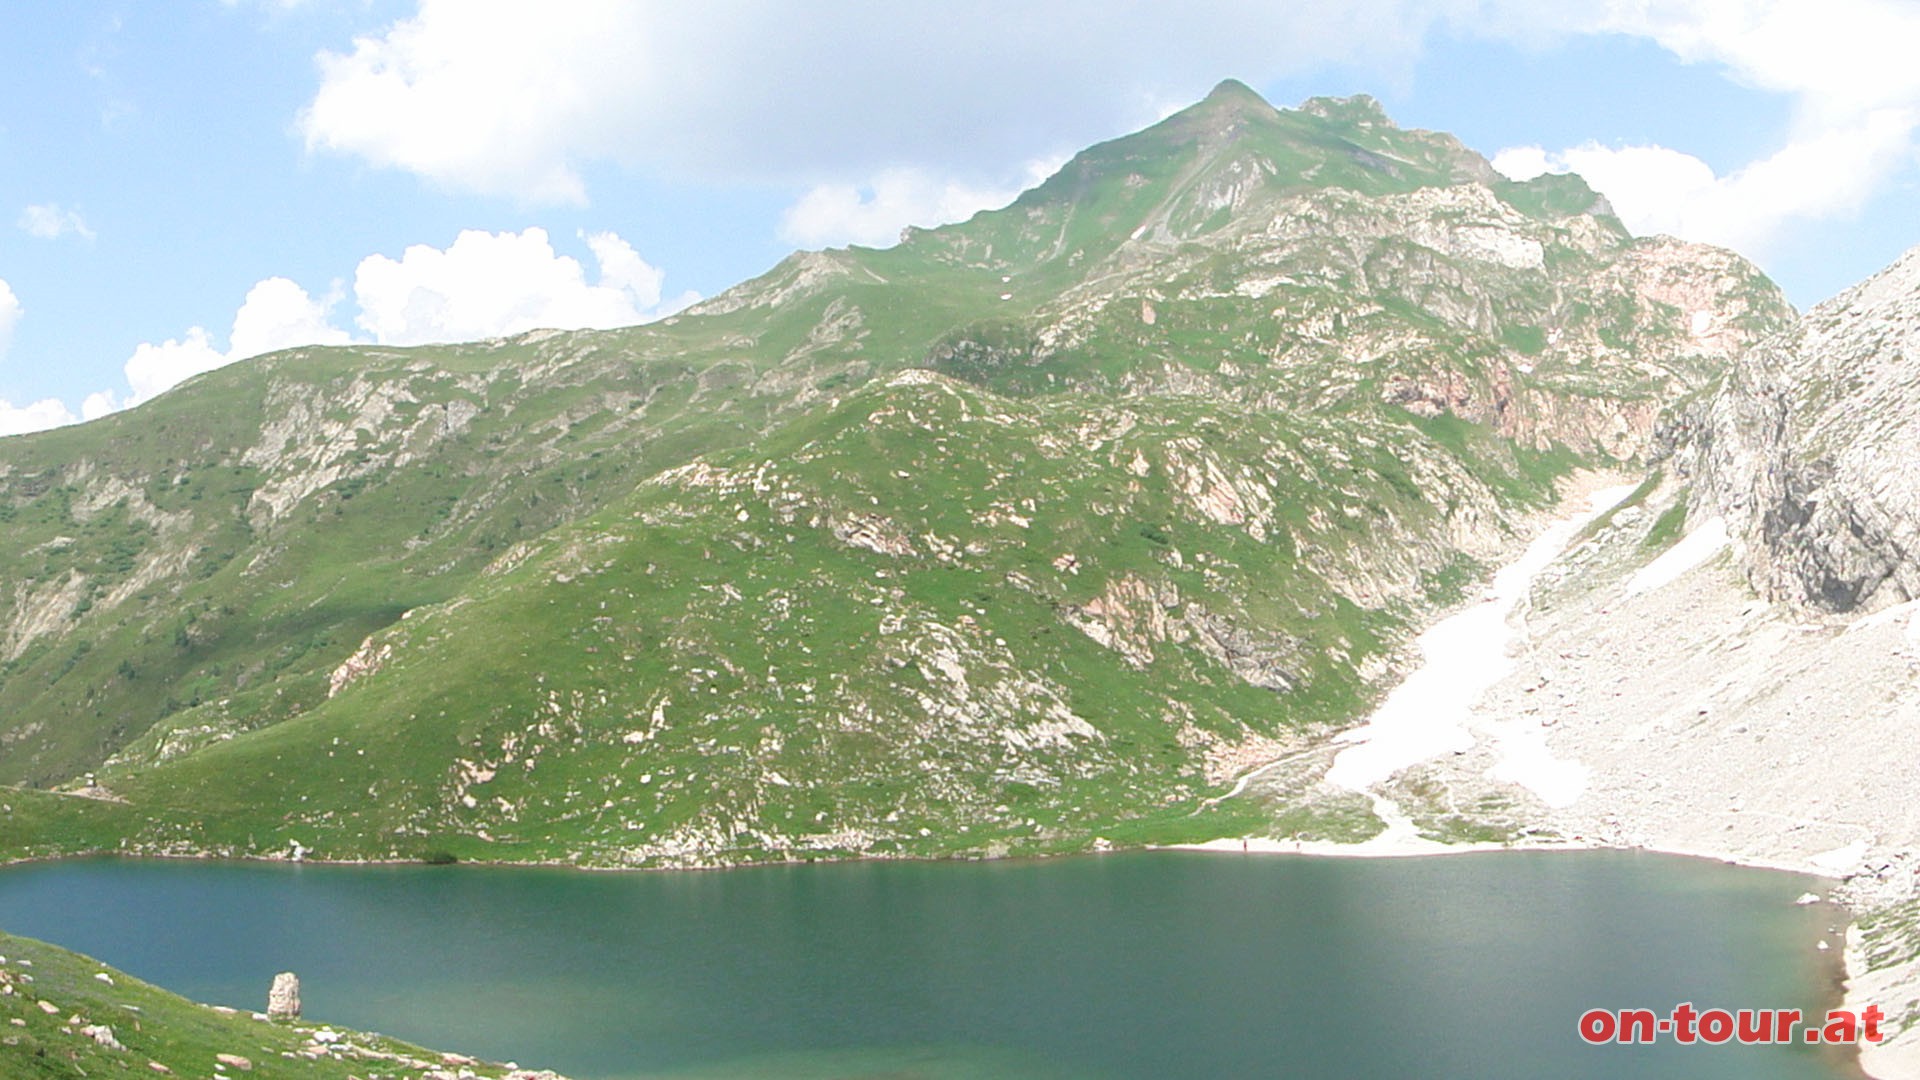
[1808,450]
[283,1001]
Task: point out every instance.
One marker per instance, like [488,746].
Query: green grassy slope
[64,1016]
[929,619]
[1219,412]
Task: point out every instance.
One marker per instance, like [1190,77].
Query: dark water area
[1149,965]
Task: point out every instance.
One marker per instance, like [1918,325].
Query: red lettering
[1683,1015]
[1597,1026]
[1716,1025]
[1752,1027]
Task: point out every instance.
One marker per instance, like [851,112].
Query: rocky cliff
[1809,450]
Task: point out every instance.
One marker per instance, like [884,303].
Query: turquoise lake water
[1149,965]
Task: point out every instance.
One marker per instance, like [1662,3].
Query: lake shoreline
[1642,892]
[1433,714]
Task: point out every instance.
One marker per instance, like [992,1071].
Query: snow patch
[1526,761]
[1462,656]
[1693,549]
[1841,860]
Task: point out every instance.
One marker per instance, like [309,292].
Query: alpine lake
[1151,964]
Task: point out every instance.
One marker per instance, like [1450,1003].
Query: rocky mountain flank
[1026,533]
[1729,661]
[1811,454]
[1810,449]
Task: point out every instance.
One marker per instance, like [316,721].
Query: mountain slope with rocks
[1729,661]
[1026,533]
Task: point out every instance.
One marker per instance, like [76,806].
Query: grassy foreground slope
[64,1016]
[1027,530]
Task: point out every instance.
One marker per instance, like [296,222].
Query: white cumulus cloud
[495,284]
[874,213]
[276,314]
[508,98]
[1846,66]
[153,369]
[486,95]
[98,404]
[482,285]
[50,221]
[1660,190]
[886,115]
[40,415]
[1523,162]
[622,269]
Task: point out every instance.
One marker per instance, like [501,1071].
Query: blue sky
[186,183]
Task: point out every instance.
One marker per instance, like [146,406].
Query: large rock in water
[1811,450]
[283,1001]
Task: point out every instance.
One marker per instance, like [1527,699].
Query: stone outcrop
[1808,450]
[283,1001]
[874,533]
[368,659]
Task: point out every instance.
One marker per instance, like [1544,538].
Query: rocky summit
[1026,534]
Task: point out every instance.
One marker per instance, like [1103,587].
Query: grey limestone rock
[1811,450]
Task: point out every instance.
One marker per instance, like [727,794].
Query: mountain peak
[1233,99]
[1233,90]
[1361,109]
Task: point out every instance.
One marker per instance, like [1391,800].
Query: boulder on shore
[283,1001]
